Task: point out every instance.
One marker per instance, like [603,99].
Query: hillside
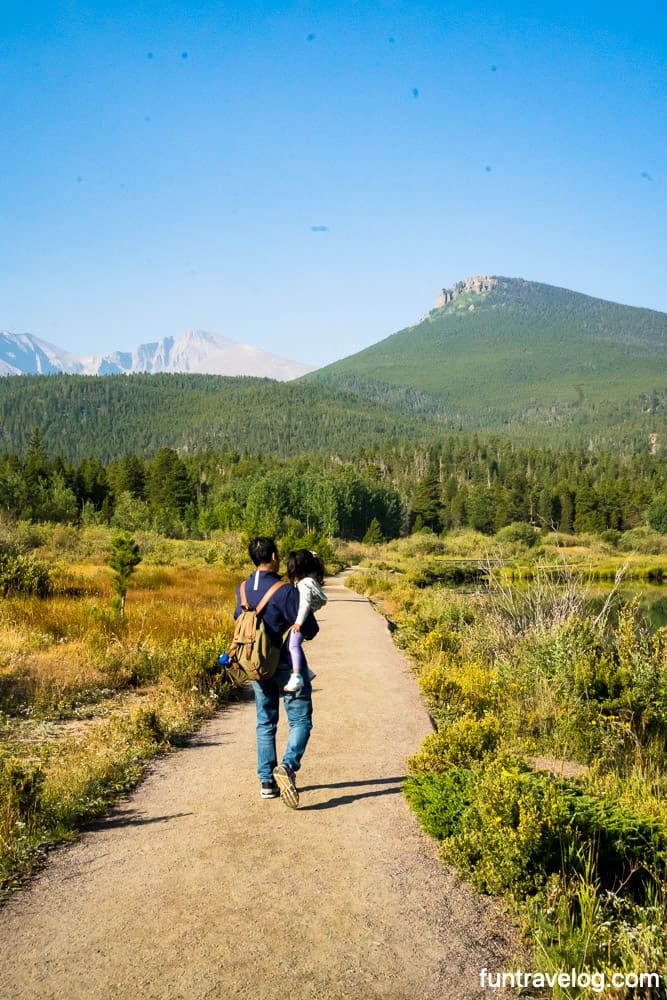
[118,415]
[504,354]
[537,364]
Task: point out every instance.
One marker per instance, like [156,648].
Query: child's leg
[296,653]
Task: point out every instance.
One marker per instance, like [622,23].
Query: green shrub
[656,515]
[505,841]
[23,575]
[521,826]
[192,664]
[440,800]
[447,573]
[314,541]
[21,788]
[462,743]
[518,531]
[20,791]
[644,540]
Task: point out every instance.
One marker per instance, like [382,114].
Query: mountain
[536,364]
[524,358]
[193,351]
[23,354]
[119,415]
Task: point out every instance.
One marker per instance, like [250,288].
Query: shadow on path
[130,817]
[393,787]
[349,600]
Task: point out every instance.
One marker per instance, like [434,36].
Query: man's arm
[237,609]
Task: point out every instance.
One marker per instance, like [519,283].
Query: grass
[541,672]
[87,697]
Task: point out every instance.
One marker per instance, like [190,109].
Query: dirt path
[196,889]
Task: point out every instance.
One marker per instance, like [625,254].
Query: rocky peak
[477,285]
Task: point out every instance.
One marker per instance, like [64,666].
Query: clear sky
[305,176]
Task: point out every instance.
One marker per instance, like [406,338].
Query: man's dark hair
[262,550]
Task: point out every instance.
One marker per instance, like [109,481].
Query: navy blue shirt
[281,611]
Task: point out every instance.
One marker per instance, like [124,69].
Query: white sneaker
[294,684]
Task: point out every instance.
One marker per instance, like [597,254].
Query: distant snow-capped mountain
[193,351]
[23,354]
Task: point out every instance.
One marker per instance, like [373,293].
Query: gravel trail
[193,888]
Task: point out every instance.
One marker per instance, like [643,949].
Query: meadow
[542,658]
[545,778]
[88,697]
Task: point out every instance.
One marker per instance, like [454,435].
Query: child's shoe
[294,684]
[311,674]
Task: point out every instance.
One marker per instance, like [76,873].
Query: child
[306,571]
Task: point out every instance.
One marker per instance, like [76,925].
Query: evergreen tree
[374,534]
[36,461]
[123,559]
[657,515]
[426,501]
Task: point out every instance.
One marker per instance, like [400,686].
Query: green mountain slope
[538,364]
[514,355]
[115,415]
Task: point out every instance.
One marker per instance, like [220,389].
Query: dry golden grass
[64,649]
[86,696]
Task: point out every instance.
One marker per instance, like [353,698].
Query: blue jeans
[299,709]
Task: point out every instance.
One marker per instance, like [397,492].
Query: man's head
[263,552]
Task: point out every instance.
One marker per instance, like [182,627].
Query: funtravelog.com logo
[598,982]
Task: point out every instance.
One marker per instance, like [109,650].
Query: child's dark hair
[303,562]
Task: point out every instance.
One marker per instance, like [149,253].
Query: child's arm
[304,605]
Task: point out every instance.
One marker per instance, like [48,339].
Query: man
[279,615]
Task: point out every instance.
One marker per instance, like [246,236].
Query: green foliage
[192,664]
[427,503]
[374,534]
[533,361]
[314,541]
[518,531]
[657,515]
[506,841]
[508,828]
[440,800]
[528,684]
[462,743]
[23,575]
[20,791]
[123,559]
[423,487]
[114,416]
[21,787]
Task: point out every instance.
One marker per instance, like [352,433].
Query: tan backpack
[252,655]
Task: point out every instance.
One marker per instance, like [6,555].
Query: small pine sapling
[123,559]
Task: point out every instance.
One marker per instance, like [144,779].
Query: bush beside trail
[527,684]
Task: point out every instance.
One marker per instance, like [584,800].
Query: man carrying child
[279,616]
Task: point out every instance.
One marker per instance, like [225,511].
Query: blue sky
[306,176]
